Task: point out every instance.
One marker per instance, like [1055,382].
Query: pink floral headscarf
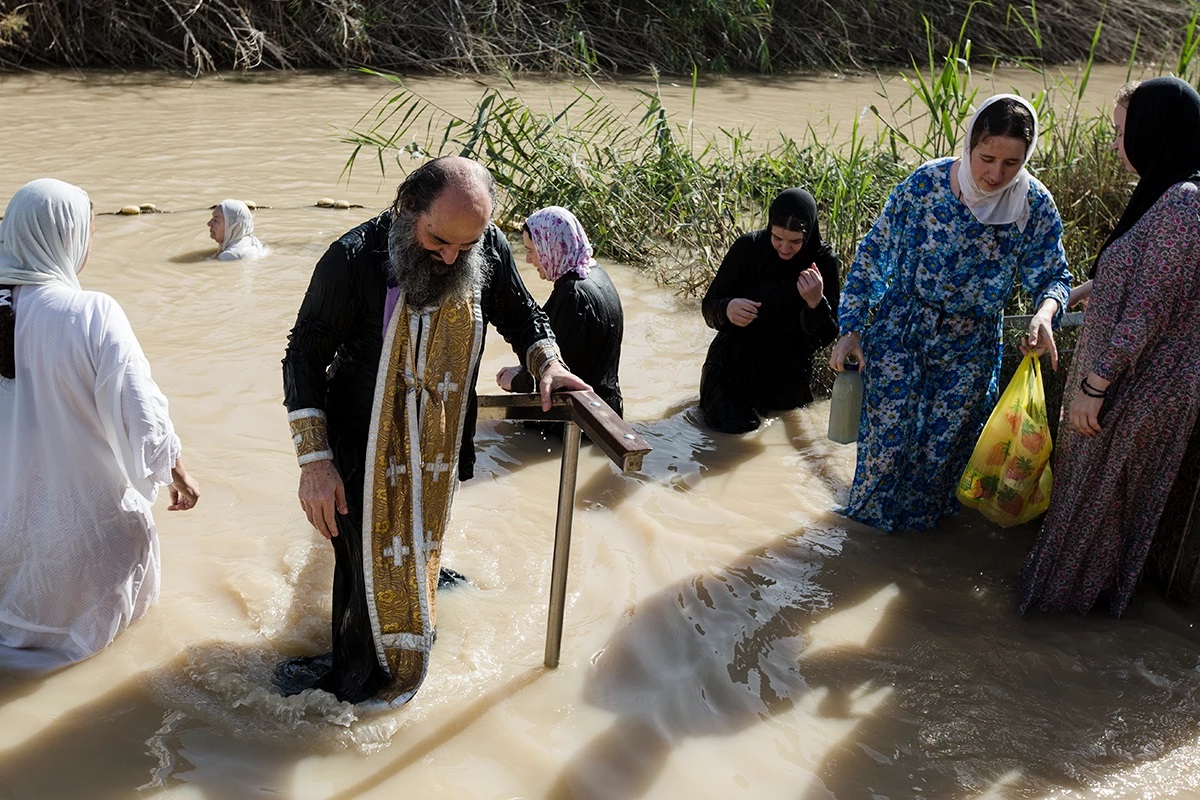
[561,244]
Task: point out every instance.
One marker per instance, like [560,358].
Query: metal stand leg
[562,542]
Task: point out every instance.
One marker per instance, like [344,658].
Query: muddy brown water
[727,633]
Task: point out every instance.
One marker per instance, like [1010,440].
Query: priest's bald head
[441,212]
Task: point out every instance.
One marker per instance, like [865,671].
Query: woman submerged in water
[773,304]
[232,228]
[584,307]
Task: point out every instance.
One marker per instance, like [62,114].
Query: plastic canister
[845,404]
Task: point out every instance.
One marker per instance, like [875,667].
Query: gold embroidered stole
[416,428]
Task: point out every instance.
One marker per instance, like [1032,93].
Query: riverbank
[577,36]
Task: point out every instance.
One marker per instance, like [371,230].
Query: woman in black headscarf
[1134,391]
[773,304]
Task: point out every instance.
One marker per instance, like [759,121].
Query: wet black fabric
[331,363]
[589,325]
[333,350]
[1162,142]
[767,365]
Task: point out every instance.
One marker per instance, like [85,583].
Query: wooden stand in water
[609,432]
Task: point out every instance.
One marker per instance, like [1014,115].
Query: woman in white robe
[87,440]
[232,227]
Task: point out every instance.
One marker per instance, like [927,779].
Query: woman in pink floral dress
[1134,390]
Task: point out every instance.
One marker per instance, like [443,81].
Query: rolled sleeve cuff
[540,355]
[1061,294]
[310,435]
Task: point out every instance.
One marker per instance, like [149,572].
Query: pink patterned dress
[1142,332]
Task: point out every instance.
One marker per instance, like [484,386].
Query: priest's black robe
[331,364]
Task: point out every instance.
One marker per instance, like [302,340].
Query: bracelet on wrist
[1092,391]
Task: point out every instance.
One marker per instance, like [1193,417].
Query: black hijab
[1162,142]
[799,206]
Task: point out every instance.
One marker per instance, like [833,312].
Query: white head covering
[239,240]
[1009,203]
[44,234]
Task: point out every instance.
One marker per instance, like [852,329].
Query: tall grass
[650,192]
[654,193]
[582,36]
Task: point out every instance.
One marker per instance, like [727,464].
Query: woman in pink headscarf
[584,307]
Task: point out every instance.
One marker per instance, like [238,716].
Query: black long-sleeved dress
[331,364]
[767,365]
[588,324]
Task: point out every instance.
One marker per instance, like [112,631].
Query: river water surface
[727,634]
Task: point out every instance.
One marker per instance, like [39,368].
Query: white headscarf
[239,240]
[1009,203]
[44,234]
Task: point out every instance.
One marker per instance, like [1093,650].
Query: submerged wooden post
[577,410]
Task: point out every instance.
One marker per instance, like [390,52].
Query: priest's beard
[424,278]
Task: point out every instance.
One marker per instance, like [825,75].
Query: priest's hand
[321,492]
[555,377]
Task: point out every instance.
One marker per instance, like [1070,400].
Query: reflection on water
[726,632]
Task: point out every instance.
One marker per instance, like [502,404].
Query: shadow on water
[444,733]
[905,656]
[209,719]
[125,742]
[192,721]
[14,687]
[194,257]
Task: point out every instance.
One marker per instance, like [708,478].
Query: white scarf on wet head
[44,234]
[239,240]
[1009,203]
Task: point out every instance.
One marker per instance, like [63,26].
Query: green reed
[654,193]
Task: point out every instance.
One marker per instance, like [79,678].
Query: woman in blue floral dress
[921,311]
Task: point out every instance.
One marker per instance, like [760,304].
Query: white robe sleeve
[132,408]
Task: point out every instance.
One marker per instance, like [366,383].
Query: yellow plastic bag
[1008,477]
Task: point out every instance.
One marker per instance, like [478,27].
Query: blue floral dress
[927,291]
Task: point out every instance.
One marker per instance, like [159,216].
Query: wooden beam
[621,443]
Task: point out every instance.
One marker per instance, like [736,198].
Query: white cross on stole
[397,551]
[395,470]
[438,467]
[445,385]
